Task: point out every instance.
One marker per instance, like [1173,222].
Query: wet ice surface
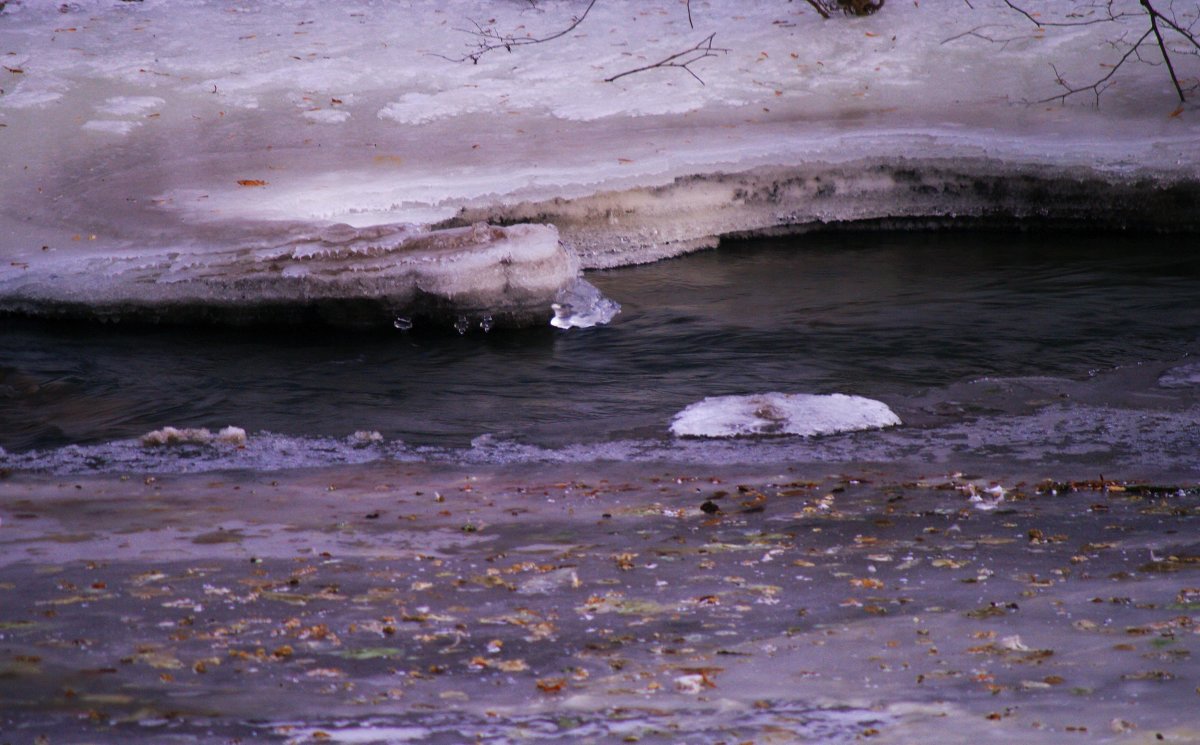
[654,604]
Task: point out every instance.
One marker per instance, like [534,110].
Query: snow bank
[336,274]
[781,414]
[168,130]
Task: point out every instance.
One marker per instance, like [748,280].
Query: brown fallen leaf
[867,582]
[551,685]
[251,182]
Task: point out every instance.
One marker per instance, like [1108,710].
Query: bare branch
[490,40]
[977,32]
[1097,87]
[1162,47]
[702,50]
[1108,17]
[1158,23]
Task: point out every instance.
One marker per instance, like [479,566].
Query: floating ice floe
[781,414]
[194,436]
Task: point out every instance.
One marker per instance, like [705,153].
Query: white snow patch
[327,116]
[418,108]
[111,126]
[781,414]
[32,93]
[130,105]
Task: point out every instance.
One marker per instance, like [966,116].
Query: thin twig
[1157,22]
[1097,87]
[702,50]
[490,40]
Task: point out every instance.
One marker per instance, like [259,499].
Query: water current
[1017,345]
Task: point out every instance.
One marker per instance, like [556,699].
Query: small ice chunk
[781,414]
[232,436]
[1013,644]
[364,437]
[176,436]
[690,683]
[580,305]
[193,436]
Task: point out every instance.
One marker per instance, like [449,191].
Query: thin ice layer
[337,273]
[781,414]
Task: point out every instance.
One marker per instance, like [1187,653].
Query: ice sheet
[173,126]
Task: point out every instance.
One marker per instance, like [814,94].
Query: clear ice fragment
[580,305]
[403,323]
[461,324]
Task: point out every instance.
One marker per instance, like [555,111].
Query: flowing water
[1013,345]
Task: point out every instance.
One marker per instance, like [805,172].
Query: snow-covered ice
[781,414]
[185,130]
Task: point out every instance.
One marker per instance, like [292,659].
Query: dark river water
[1008,342]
